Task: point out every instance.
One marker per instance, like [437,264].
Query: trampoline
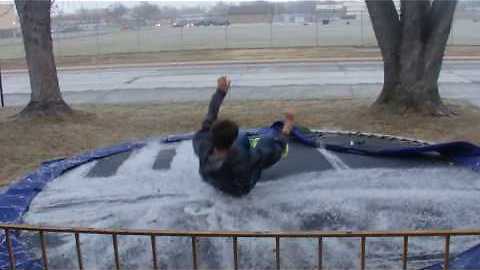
[328,181]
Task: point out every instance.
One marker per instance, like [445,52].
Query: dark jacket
[237,173]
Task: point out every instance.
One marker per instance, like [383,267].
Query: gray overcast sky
[69,6]
[73,5]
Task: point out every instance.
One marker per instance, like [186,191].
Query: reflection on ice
[367,199]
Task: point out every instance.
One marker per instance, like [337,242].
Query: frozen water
[336,162]
[340,199]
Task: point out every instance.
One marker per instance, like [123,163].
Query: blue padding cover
[462,153]
[467,260]
[15,201]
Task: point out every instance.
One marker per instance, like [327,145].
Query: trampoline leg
[362,253]
[43,244]
[405,252]
[320,253]
[1,89]
[79,251]
[277,252]
[194,253]
[11,256]
[447,252]
[235,253]
[154,252]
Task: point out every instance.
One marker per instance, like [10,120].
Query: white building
[9,23]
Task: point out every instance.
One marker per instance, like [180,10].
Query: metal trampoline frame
[234,236]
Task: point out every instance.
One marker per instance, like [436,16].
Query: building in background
[468,10]
[328,10]
[255,12]
[9,23]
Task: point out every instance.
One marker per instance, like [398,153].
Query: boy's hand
[290,115]
[288,123]
[223,84]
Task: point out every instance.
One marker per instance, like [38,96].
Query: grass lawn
[187,55]
[26,143]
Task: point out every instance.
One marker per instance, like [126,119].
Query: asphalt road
[459,80]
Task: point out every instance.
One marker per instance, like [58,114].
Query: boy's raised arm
[223,85]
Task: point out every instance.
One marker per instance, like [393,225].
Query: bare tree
[145,13]
[220,9]
[46,99]
[117,11]
[413,45]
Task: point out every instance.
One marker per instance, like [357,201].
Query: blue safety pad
[23,258]
[467,260]
[461,153]
[14,202]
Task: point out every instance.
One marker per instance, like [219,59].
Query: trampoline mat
[300,158]
[195,203]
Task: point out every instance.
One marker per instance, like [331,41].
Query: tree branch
[20,5]
[440,24]
[440,20]
[38,5]
[386,24]
[414,19]
[442,13]
[387,27]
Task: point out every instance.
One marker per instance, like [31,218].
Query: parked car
[204,22]
[70,29]
[220,22]
[182,23]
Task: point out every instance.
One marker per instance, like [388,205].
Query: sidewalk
[228,57]
[292,80]
[235,62]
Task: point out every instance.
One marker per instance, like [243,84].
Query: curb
[236,62]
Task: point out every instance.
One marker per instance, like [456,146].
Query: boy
[228,160]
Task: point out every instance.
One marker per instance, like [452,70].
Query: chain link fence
[77,34]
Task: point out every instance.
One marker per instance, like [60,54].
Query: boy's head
[224,133]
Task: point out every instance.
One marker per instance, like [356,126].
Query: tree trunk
[412,45]
[46,99]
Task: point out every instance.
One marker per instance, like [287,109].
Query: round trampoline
[347,181]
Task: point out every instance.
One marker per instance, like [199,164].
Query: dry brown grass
[226,55]
[25,143]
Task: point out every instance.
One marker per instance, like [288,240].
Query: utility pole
[1,89]
[317,43]
[227,25]
[272,13]
[361,27]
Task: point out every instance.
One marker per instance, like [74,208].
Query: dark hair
[224,133]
